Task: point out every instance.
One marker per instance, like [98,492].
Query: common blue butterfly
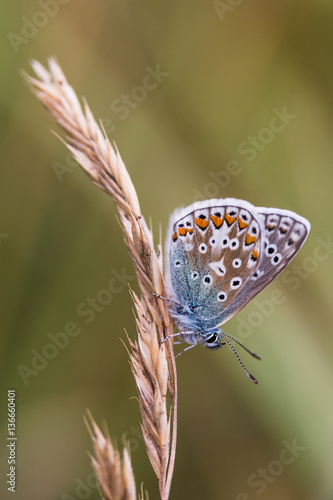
[219,255]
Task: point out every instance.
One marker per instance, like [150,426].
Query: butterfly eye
[212,339]
[222,296]
[203,248]
[236,283]
[236,263]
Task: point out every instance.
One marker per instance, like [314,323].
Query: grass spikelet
[153,366]
[115,475]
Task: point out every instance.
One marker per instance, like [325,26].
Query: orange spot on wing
[283,230]
[216,221]
[190,230]
[229,219]
[174,237]
[269,226]
[250,239]
[202,223]
[255,254]
[242,224]
[182,231]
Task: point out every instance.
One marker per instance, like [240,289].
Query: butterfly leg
[175,335]
[159,296]
[171,301]
[186,349]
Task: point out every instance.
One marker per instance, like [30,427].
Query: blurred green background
[206,129]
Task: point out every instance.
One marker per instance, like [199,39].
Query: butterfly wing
[283,233]
[212,249]
[221,253]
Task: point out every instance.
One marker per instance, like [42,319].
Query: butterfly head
[211,339]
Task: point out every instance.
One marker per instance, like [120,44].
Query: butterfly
[220,254]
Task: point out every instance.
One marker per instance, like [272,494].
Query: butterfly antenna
[245,348]
[251,377]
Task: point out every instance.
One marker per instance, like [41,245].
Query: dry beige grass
[115,476]
[153,366]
